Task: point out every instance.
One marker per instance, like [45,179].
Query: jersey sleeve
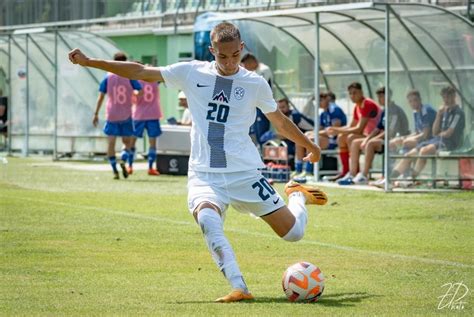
[135,84]
[458,120]
[306,123]
[265,100]
[428,118]
[369,110]
[338,114]
[381,123]
[103,85]
[175,75]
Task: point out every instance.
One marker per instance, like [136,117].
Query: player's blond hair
[225,32]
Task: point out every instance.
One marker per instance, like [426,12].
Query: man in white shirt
[224,163]
[183,103]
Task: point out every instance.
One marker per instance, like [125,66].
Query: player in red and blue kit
[118,114]
[146,114]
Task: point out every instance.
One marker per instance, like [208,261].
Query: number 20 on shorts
[265,190]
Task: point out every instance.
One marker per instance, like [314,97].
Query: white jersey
[222,108]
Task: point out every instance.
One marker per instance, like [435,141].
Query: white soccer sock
[220,248]
[296,204]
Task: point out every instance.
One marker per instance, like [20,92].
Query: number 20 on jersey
[217,112]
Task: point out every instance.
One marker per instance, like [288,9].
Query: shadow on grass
[153,180]
[345,299]
[331,300]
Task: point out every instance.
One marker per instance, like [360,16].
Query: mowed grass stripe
[257,234]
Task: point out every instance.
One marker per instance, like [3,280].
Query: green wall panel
[167,49]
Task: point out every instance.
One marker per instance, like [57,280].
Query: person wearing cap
[183,102]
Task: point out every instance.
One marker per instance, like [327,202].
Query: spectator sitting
[261,125]
[251,63]
[423,116]
[365,118]
[448,129]
[374,142]
[301,121]
[3,114]
[183,103]
[331,116]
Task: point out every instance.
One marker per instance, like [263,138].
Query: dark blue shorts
[152,127]
[119,128]
[332,146]
[436,141]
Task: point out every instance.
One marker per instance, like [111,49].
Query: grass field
[76,242]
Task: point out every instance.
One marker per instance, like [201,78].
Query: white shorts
[247,192]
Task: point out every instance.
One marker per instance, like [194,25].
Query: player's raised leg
[289,222]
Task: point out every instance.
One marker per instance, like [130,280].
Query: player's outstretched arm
[289,130]
[125,69]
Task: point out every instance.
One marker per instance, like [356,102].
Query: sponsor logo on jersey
[221,97]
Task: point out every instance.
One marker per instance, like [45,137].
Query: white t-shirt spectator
[264,71]
[186,117]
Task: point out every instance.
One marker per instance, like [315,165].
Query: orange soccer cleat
[235,296]
[313,194]
[153,172]
[130,170]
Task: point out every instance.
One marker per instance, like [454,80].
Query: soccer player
[331,116]
[118,113]
[365,119]
[423,117]
[146,114]
[224,162]
[448,129]
[374,142]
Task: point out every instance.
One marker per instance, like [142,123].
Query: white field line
[263,235]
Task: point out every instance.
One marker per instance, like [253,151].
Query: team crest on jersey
[239,93]
[221,97]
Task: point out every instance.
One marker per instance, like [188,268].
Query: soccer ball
[303,282]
